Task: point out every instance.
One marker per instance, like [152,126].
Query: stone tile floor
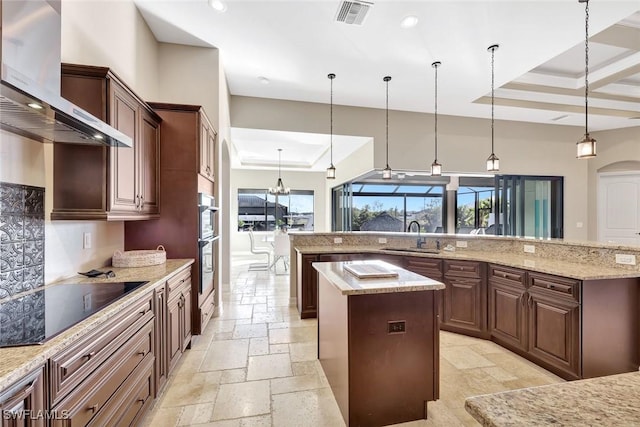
[255,365]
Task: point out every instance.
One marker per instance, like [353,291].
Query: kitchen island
[611,400]
[378,341]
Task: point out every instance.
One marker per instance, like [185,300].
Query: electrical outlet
[382,240]
[337,240]
[87,302]
[461,243]
[530,249]
[396,327]
[626,259]
[86,240]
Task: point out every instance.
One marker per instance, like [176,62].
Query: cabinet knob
[90,355]
[141,400]
[142,353]
[93,408]
[143,312]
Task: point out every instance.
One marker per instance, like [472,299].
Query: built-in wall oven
[207,239]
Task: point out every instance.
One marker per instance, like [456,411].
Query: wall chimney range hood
[30,101]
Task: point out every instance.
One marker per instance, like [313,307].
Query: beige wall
[464,143]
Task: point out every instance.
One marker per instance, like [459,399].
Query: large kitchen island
[378,340]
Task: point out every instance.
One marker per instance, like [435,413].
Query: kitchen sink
[418,250]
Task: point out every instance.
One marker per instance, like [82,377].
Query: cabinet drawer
[427,267]
[506,275]
[70,367]
[178,281]
[131,399]
[559,286]
[86,401]
[462,268]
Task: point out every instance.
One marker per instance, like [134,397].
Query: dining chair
[281,251]
[259,251]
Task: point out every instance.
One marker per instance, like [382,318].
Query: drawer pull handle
[90,355]
[142,353]
[143,312]
[141,400]
[93,408]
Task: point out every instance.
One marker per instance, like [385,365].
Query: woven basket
[139,258]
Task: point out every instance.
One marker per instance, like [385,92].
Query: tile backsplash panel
[21,238]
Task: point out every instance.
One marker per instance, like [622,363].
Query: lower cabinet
[538,316]
[307,286]
[178,316]
[161,350]
[465,298]
[23,401]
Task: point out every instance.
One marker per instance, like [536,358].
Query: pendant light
[493,163]
[331,170]
[279,188]
[586,146]
[436,168]
[386,172]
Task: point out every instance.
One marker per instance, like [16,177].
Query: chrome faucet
[421,240]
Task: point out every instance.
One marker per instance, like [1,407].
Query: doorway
[619,208]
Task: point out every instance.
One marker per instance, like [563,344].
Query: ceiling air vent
[353,12]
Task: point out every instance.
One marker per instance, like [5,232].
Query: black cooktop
[36,317]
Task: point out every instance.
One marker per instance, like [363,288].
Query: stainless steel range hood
[30,101]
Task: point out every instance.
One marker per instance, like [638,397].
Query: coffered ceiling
[284,50]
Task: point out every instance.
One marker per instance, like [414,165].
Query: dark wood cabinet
[178,316]
[307,286]
[107,183]
[160,309]
[22,401]
[554,324]
[465,298]
[185,158]
[507,306]
[207,154]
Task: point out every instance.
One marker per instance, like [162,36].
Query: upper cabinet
[207,145]
[98,183]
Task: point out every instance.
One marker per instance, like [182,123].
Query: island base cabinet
[23,401]
[554,327]
[379,377]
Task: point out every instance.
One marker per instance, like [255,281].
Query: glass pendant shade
[493,163]
[386,173]
[436,168]
[331,172]
[586,147]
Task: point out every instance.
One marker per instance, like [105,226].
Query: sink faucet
[420,241]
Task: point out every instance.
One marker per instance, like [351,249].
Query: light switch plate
[86,240]
[626,259]
[337,240]
[461,243]
[530,249]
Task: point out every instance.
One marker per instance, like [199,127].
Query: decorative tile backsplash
[21,262]
[21,238]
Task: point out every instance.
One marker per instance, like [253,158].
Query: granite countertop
[606,401]
[19,361]
[349,284]
[575,270]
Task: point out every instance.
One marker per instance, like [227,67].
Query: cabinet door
[205,152]
[307,286]
[185,332]
[124,117]
[507,319]
[149,158]
[211,147]
[174,339]
[22,398]
[161,350]
[465,306]
[554,331]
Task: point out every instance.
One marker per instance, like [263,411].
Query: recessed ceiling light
[218,5]
[409,21]
[35,106]
[263,80]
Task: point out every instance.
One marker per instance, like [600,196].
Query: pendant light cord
[387,80]
[436,110]
[331,77]
[586,67]
[493,50]
[279,154]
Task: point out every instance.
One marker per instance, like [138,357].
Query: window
[364,206]
[261,211]
[474,207]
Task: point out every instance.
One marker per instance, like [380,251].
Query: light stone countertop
[575,270]
[606,401]
[348,284]
[16,362]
